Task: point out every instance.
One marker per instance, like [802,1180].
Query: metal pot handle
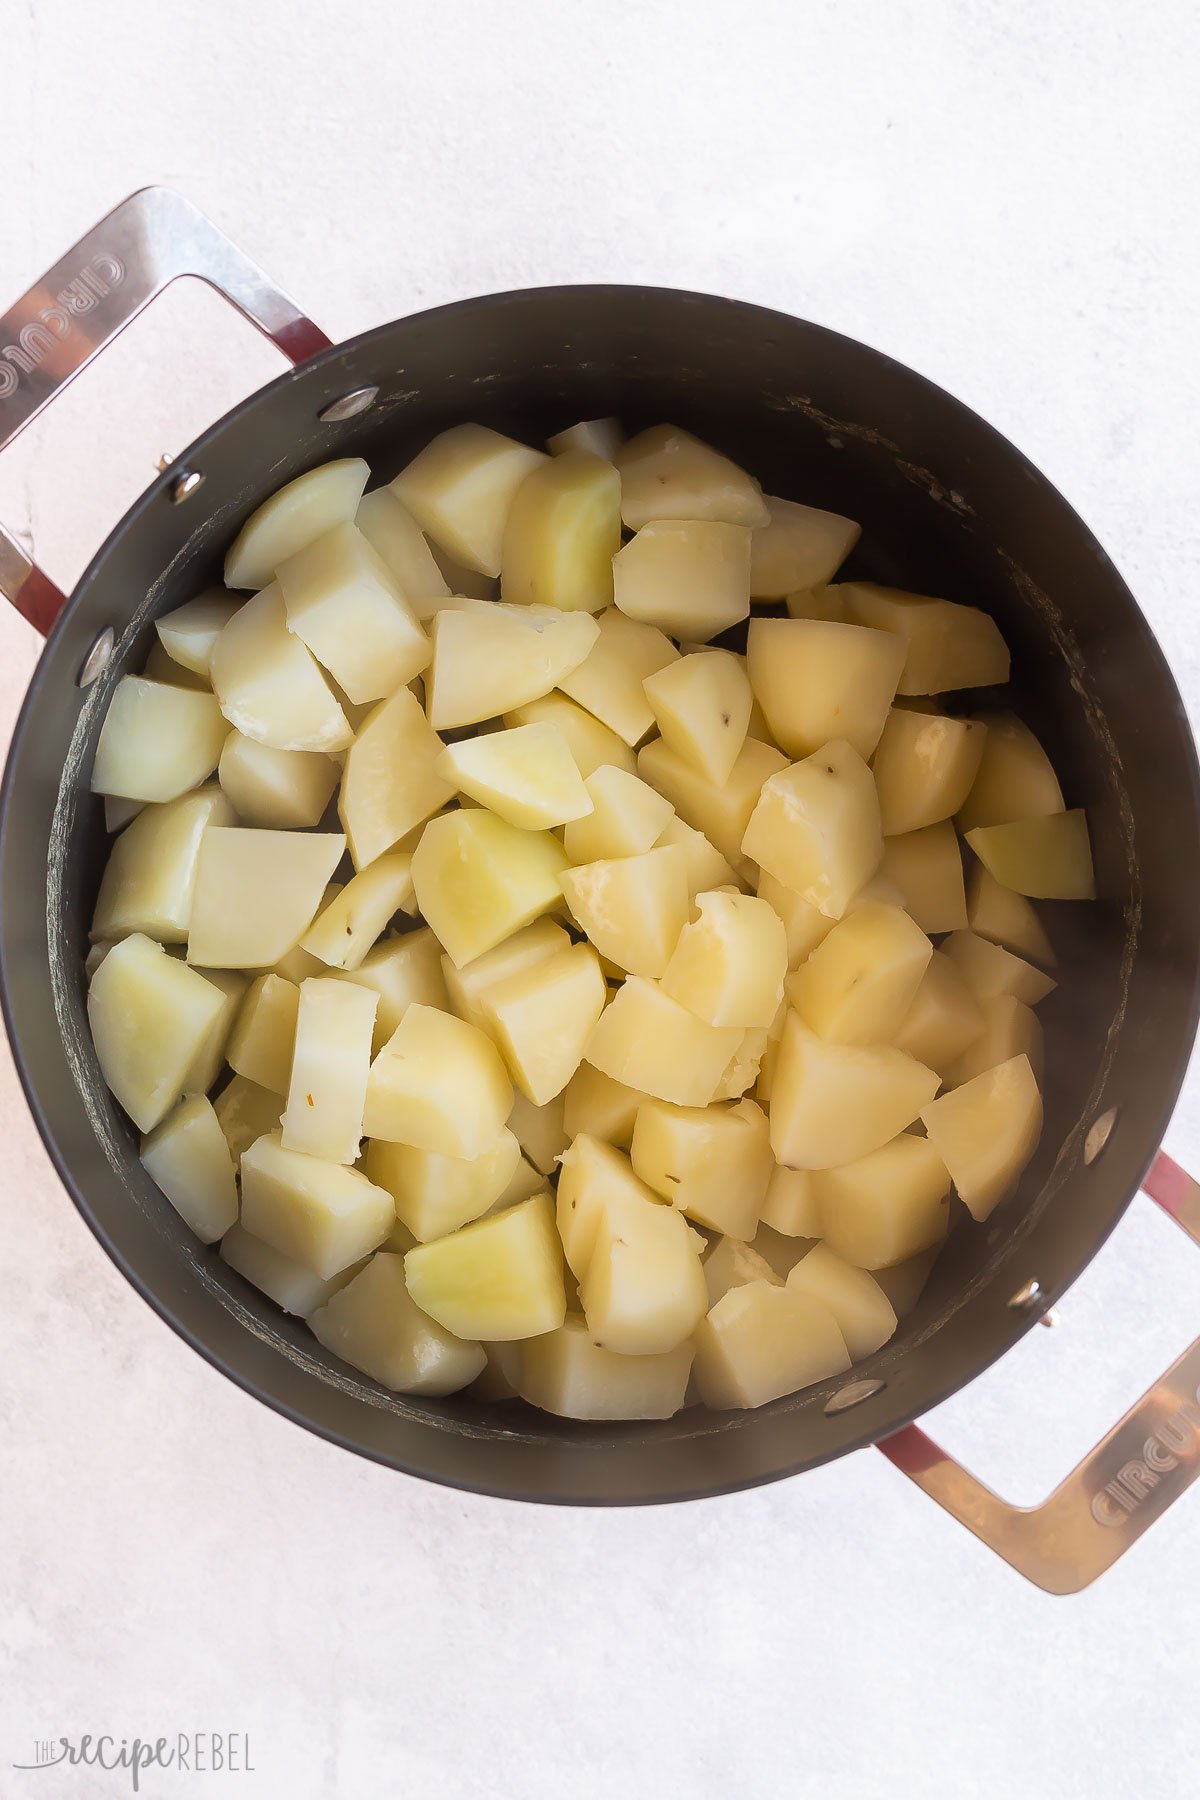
[1118,1490]
[87,298]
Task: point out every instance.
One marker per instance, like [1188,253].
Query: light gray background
[1003,196]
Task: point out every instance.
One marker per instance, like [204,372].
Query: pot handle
[86,299]
[1118,1490]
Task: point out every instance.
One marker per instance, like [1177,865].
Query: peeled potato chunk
[150,876]
[857,986]
[1049,858]
[1015,779]
[542,1016]
[627,818]
[293,517]
[924,767]
[643,1289]
[1006,917]
[818,603]
[1010,1028]
[760,1342]
[246,1112]
[832,1103]
[562,532]
[499,1278]
[816,681]
[435,1194]
[264,1033]
[564,1372]
[401,970]
[703,862]
[988,969]
[439,1084]
[702,706]
[790,1205]
[399,542]
[280,789]
[741,1071]
[591,744]
[538,1128]
[689,577]
[256,893]
[342,603]
[321,1213]
[488,659]
[467,985]
[269,684]
[189,1159]
[391,782]
[632,908]
[526,775]
[733,1264]
[478,879]
[648,1041]
[157,741]
[461,487]
[948,646]
[886,1206]
[285,1281]
[721,810]
[603,437]
[347,927]
[728,965]
[863,1311]
[926,867]
[668,474]
[594,1177]
[804,924]
[330,1063]
[799,547]
[608,682]
[597,1106]
[943,1019]
[189,633]
[206,1064]
[374,1324]
[712,1162]
[149,1016]
[816,827]
[986,1131]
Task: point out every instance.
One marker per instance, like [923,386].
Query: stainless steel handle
[87,298]
[1119,1489]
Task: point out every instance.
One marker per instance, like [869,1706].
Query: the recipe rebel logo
[192,1753]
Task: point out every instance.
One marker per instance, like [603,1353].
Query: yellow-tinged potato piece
[926,867]
[321,1213]
[712,1162]
[598,1106]
[804,924]
[161,666]
[327,1089]
[538,1128]
[1006,917]
[461,487]
[1016,779]
[627,817]
[435,1194]
[256,893]
[632,908]
[189,1159]
[948,646]
[986,1131]
[439,1084]
[489,659]
[391,781]
[594,1177]
[157,741]
[467,986]
[857,986]
[542,1016]
[591,744]
[732,1264]
[799,547]
[706,867]
[206,1064]
[1048,858]
[564,1372]
[499,1278]
[562,532]
[478,879]
[189,633]
[608,682]
[728,965]
[1010,1028]
[988,969]
[345,930]
[525,1180]
[815,681]
[760,1342]
[817,603]
[342,603]
[790,1205]
[832,1103]
[149,1016]
[643,1289]
[702,705]
[741,1071]
[816,827]
[667,473]
[150,876]
[245,1112]
[924,767]
[270,686]
[374,1325]
[401,970]
[526,775]
[648,1041]
[279,789]
[264,1033]
[399,542]
[943,1019]
[603,437]
[722,811]
[885,1207]
[292,518]
[689,577]
[863,1311]
[281,1278]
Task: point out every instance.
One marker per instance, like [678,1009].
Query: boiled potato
[926,867]
[401,970]
[816,828]
[256,892]
[189,633]
[799,547]
[944,1017]
[594,1176]
[885,1207]
[564,1372]
[668,474]
[281,789]
[270,686]
[702,705]
[804,924]
[527,775]
[150,1016]
[263,1037]
[988,969]
[818,603]
[626,818]
[285,1281]
[643,1289]
[439,1084]
[150,876]
[499,1278]
[399,542]
[323,1214]
[596,1105]
[761,1341]
[391,781]
[648,1041]
[947,645]
[350,924]
[816,681]
[538,1128]
[591,744]
[728,965]
[722,811]
[863,1311]
[986,1131]
[161,666]
[1010,1028]
[562,532]
[489,659]
[790,1204]
[741,1071]
[608,682]
[206,1064]
[832,1103]
[542,1017]
[467,985]
[189,1159]
[632,908]
[603,437]
[1016,779]
[858,985]
[712,1162]
[245,1112]
[689,577]
[924,767]
[374,1324]
[1006,918]
[292,518]
[157,741]
[460,489]
[342,603]
[435,1194]
[478,879]
[526,1180]
[703,862]
[331,1060]
[1049,858]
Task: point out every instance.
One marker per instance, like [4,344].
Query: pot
[948,506]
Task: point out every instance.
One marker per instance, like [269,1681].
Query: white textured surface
[1002,196]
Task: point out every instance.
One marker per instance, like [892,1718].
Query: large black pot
[947,506]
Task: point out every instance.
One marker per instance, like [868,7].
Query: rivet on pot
[163,463]
[1027,1297]
[1099,1134]
[185,485]
[853,1394]
[97,658]
[349,406]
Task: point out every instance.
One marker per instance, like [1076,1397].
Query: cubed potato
[648,1041]
[374,1325]
[281,1278]
[256,893]
[863,1311]
[790,1204]
[499,1278]
[706,867]
[594,1176]
[1006,917]
[832,1103]
[347,928]
[804,924]
[542,1016]
[760,1342]
[321,1213]
[702,706]
[439,1084]
[189,632]
[435,1194]
[270,686]
[905,1282]
[391,782]
[632,908]
[815,681]
[527,776]
[1010,1028]
[478,879]
[1048,858]
[399,542]
[1016,779]
[467,986]
[293,517]
[401,970]
[342,603]
[245,1112]
[564,1372]
[627,818]
[986,1131]
[461,487]
[816,827]
[595,1104]
[279,789]
[150,876]
[857,986]
[488,659]
[799,547]
[157,741]
[741,1071]
[643,1289]
[562,532]
[728,965]
[943,1019]
[988,969]
[712,1162]
[161,666]
[149,1016]
[603,437]
[591,744]
[817,603]
[667,473]
[327,1089]
[209,1058]
[608,682]
[189,1159]
[926,866]
[721,811]
[948,646]
[885,1207]
[689,577]
[538,1128]
[732,1264]
[924,767]
[525,1180]
[263,1038]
